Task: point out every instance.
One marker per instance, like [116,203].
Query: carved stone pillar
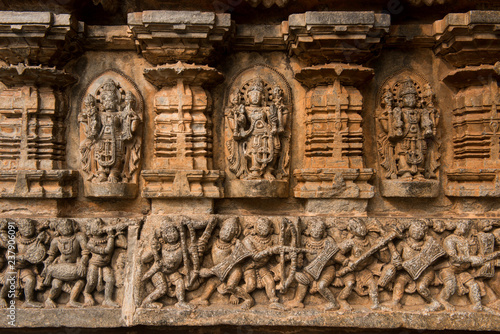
[183,133]
[472,39]
[334,139]
[334,173]
[181,175]
[33,107]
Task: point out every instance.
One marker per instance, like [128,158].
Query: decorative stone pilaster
[472,39]
[183,133]
[334,165]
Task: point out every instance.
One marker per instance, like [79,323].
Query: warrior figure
[320,271]
[360,276]
[109,127]
[168,257]
[225,246]
[257,273]
[101,244]
[416,254]
[67,262]
[456,277]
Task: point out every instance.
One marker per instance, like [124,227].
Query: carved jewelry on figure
[258,118]
[109,152]
[409,120]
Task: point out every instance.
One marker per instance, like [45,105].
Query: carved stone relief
[32,112]
[183,133]
[64,262]
[334,137]
[347,264]
[408,137]
[257,134]
[476,147]
[111,136]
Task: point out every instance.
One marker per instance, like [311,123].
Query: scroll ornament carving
[379,260]
[52,257]
[111,147]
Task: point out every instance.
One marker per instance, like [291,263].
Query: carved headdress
[256,84]
[407,87]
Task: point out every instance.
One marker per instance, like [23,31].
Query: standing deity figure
[110,151]
[257,272]
[457,277]
[409,122]
[67,263]
[416,254]
[319,272]
[169,255]
[258,126]
[226,252]
[359,274]
[30,251]
[101,244]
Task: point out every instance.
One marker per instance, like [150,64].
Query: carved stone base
[399,188]
[110,190]
[182,183]
[64,317]
[256,188]
[473,183]
[359,318]
[38,184]
[333,183]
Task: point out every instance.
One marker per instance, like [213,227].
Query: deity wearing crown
[409,122]
[258,121]
[110,151]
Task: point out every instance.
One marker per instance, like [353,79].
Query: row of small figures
[311,255]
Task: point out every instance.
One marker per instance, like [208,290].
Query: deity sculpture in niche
[110,120]
[258,134]
[408,140]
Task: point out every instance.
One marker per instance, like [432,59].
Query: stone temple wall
[278,164]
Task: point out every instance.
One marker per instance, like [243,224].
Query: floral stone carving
[408,140]
[257,134]
[111,136]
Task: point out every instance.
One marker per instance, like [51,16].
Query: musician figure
[30,251]
[456,276]
[225,246]
[320,271]
[257,273]
[67,263]
[416,254]
[101,244]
